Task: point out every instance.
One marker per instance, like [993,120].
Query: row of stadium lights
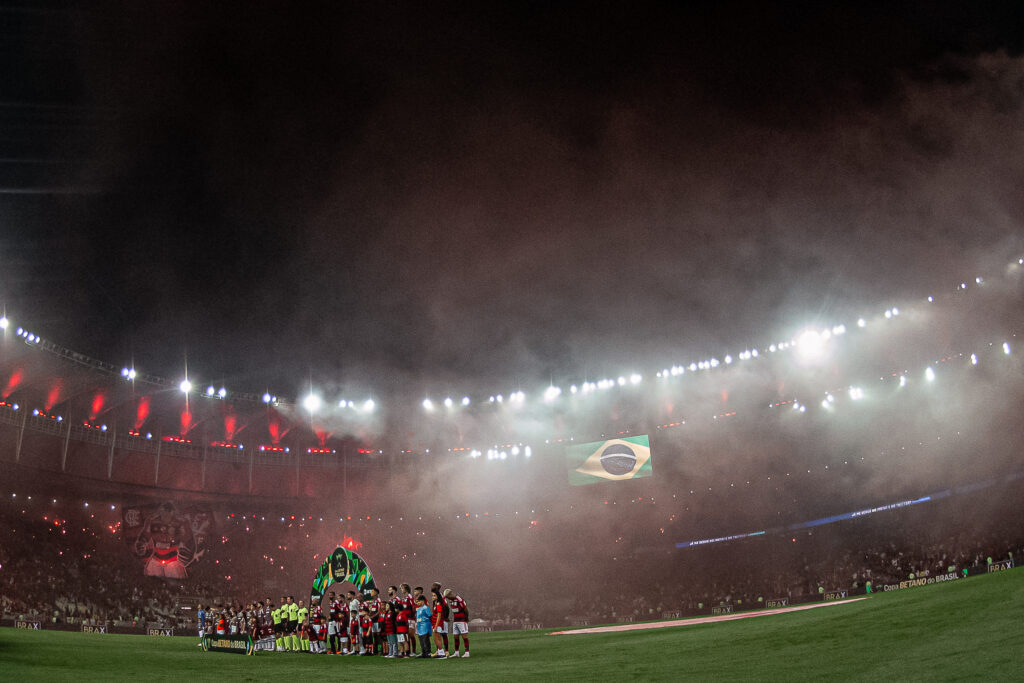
[809,342]
[503,452]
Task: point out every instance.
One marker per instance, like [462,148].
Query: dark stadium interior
[370,276]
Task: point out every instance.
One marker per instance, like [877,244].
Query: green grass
[965,630]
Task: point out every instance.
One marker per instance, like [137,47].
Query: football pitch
[962,630]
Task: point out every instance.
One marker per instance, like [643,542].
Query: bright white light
[888,313]
[963,285]
[622,381]
[903,380]
[974,359]
[810,346]
[131,373]
[635,379]
[369,406]
[931,299]
[551,393]
[856,393]
[504,455]
[773,348]
[803,409]
[4,322]
[527,451]
[448,402]
[929,374]
[573,389]
[515,450]
[222,392]
[185,386]
[754,352]
[124,372]
[465,400]
[693,367]
[266,398]
[500,398]
[1006,348]
[977,280]
[839,330]
[861,322]
[311,403]
[728,359]
[895,311]
[428,405]
[210,391]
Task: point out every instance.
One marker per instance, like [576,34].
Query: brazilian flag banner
[612,460]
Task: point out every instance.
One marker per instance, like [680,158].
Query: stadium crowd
[64,565]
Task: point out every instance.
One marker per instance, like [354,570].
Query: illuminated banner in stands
[86,628]
[160,632]
[1000,566]
[720,539]
[239,644]
[30,625]
[613,460]
[167,538]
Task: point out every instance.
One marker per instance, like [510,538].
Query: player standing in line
[440,617]
[354,626]
[201,618]
[303,614]
[366,630]
[316,621]
[460,622]
[342,626]
[443,629]
[293,624]
[406,621]
[332,623]
[375,609]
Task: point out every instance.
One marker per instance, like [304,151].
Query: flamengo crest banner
[612,460]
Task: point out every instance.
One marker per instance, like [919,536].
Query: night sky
[429,197]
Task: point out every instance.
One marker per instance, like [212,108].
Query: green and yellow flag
[613,460]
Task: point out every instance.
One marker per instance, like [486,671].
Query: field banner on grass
[239,644]
[342,565]
[612,460]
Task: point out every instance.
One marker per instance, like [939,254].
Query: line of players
[398,627]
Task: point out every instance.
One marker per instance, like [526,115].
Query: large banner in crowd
[340,566]
[167,538]
[613,460]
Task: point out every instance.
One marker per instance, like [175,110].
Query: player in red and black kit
[316,621]
[439,617]
[406,621]
[365,629]
[375,608]
[460,622]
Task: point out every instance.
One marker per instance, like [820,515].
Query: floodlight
[369,406]
[266,398]
[222,392]
[448,403]
[311,403]
[810,346]
[185,386]
[210,391]
[4,322]
[465,400]
[1006,348]
[929,374]
[428,405]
